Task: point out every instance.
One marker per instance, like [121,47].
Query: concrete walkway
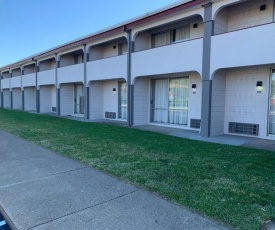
[236,140]
[42,190]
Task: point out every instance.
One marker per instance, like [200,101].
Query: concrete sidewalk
[42,190]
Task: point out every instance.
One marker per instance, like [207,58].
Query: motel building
[196,65]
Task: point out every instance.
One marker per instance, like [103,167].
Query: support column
[85,86]
[11,99]
[130,86]
[58,102]
[206,78]
[23,99]
[36,88]
[10,89]
[1,101]
[57,62]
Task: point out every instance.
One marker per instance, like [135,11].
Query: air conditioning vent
[195,123]
[54,109]
[110,115]
[243,128]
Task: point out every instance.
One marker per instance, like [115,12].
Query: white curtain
[178,101]
[162,39]
[124,48]
[123,100]
[161,101]
[182,33]
[272,105]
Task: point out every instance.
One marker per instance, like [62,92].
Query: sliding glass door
[123,100]
[170,99]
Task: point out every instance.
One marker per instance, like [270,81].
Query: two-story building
[200,65]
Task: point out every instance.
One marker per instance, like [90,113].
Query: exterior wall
[109,68]
[253,15]
[30,98]
[29,69]
[15,82]
[17,98]
[242,102]
[194,100]
[73,73]
[16,72]
[6,98]
[28,80]
[253,46]
[6,75]
[46,77]
[96,100]
[66,60]
[168,59]
[46,65]
[110,101]
[5,83]
[47,98]
[141,101]
[218,103]
[66,99]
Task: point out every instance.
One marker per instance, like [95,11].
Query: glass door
[272,104]
[171,101]
[123,100]
[78,99]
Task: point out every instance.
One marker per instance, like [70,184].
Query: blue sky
[31,26]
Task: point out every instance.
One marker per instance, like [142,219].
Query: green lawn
[234,185]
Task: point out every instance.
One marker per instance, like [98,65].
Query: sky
[32,26]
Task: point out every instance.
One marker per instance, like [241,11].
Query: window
[123,100]
[171,36]
[170,98]
[123,48]
[78,59]
[181,34]
[162,39]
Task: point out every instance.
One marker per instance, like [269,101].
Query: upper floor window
[171,36]
[78,59]
[123,48]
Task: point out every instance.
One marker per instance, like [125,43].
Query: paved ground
[42,190]
[251,142]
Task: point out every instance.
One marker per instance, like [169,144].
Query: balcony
[5,83]
[16,82]
[70,74]
[246,47]
[179,57]
[46,77]
[108,68]
[28,80]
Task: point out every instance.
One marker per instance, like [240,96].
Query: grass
[234,185]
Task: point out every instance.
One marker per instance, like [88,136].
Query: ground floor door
[78,99]
[272,104]
[122,100]
[170,101]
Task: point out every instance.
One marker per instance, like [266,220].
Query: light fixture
[194,88]
[114,91]
[259,86]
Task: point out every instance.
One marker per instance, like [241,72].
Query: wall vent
[54,109]
[110,115]
[195,123]
[243,128]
